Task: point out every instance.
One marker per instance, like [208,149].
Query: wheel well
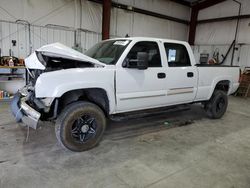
[97,96]
[223,85]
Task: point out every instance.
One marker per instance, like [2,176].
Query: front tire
[80,126]
[216,107]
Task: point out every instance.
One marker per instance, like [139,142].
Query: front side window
[177,55]
[108,52]
[154,58]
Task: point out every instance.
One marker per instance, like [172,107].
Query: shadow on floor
[44,137]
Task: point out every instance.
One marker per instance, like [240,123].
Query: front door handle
[161,75]
[190,74]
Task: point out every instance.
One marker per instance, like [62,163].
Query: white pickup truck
[116,76]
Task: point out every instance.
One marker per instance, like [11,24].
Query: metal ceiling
[193,1]
[188,2]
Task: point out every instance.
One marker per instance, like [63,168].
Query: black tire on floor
[80,126]
[216,107]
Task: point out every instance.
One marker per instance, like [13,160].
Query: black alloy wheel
[80,126]
[216,107]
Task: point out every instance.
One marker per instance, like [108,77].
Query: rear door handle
[190,74]
[161,75]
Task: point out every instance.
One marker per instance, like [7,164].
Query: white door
[181,76]
[140,89]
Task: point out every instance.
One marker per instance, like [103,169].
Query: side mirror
[140,63]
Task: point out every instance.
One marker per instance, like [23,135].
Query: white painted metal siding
[126,22]
[220,35]
[69,15]
[40,36]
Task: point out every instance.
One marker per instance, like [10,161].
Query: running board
[149,112]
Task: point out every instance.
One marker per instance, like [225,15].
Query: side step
[149,113]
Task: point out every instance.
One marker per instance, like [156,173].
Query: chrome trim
[176,91]
[139,97]
[181,88]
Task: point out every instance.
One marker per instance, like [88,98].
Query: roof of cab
[150,39]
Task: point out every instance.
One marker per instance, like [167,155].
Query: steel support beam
[106,11]
[192,26]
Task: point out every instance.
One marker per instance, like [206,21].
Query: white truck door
[141,89]
[181,75]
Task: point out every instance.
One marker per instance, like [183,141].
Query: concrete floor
[174,149]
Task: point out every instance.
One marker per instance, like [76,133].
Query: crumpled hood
[58,50]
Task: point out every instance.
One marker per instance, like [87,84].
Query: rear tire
[80,126]
[216,107]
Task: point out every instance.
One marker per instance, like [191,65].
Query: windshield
[108,52]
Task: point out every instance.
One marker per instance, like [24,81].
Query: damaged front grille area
[27,94]
[33,74]
[53,62]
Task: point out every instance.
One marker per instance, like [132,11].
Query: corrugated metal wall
[39,36]
[219,35]
[12,31]
[70,15]
[59,21]
[127,22]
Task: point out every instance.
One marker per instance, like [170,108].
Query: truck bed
[209,75]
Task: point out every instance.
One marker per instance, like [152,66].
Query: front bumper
[23,113]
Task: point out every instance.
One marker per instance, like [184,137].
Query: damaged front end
[28,109]
[22,110]
[54,57]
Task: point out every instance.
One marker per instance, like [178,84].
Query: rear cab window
[177,55]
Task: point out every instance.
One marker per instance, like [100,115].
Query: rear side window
[177,55]
[154,58]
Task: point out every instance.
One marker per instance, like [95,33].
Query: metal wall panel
[160,6]
[13,31]
[39,36]
[221,34]
[224,9]
[88,39]
[241,55]
[126,22]
[71,15]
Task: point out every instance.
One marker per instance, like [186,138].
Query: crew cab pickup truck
[80,91]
